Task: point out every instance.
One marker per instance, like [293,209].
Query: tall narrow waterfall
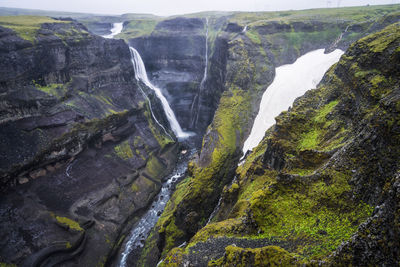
[141,75]
[115,30]
[195,109]
[291,81]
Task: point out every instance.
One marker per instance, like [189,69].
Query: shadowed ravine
[206,139]
[143,227]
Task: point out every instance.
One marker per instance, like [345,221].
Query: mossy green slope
[249,70]
[308,186]
[194,198]
[96,105]
[26,26]
[138,28]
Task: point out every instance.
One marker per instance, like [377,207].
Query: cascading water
[143,227]
[141,75]
[195,109]
[340,37]
[133,51]
[150,218]
[216,209]
[291,81]
[116,29]
[139,68]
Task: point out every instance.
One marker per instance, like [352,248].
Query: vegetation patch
[307,203]
[174,258]
[265,256]
[56,89]
[137,28]
[166,224]
[26,26]
[124,150]
[71,224]
[155,168]
[254,37]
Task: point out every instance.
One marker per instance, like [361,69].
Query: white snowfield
[291,81]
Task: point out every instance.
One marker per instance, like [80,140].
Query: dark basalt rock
[181,25]
[178,65]
[359,160]
[76,140]
[233,27]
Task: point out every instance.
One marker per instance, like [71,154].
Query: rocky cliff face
[84,157]
[174,55]
[81,155]
[322,186]
[174,49]
[247,69]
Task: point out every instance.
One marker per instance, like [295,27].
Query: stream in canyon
[143,227]
[291,81]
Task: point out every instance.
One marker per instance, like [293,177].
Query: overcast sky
[172,7]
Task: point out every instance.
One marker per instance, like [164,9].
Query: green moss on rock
[124,150]
[155,167]
[56,90]
[174,258]
[26,26]
[265,256]
[137,28]
[322,189]
[69,223]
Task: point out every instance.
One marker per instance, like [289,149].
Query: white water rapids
[116,29]
[141,75]
[143,227]
[291,81]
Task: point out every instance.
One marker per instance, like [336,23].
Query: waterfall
[141,75]
[244,29]
[291,81]
[69,168]
[216,209]
[206,57]
[336,42]
[144,94]
[195,108]
[116,29]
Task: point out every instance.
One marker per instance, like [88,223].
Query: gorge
[121,138]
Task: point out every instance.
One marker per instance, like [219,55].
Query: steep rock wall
[251,60]
[323,183]
[81,155]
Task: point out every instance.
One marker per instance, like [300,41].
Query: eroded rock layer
[322,186]
[81,156]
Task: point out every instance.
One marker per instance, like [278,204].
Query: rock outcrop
[78,144]
[83,157]
[333,197]
[248,68]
